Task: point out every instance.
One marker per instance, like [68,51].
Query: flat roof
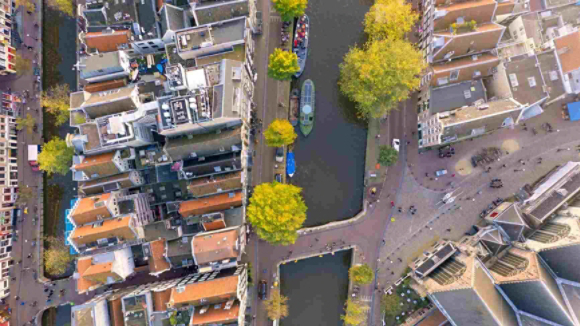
[213,11]
[525,79]
[455,96]
[212,34]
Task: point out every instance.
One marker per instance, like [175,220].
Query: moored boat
[300,45]
[294,105]
[290,164]
[307,107]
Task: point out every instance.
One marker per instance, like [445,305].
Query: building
[568,50]
[107,40]
[103,165]
[87,106]
[103,67]
[107,268]
[7,54]
[210,204]
[219,249]
[158,261]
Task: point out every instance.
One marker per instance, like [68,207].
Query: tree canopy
[277,211]
[27,122]
[387,155]
[290,9]
[390,304]
[381,75]
[282,64]
[276,306]
[279,133]
[21,65]
[64,6]
[57,256]
[55,157]
[361,274]
[389,19]
[28,5]
[56,101]
[355,313]
[24,194]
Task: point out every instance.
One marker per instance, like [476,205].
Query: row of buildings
[493,64]
[520,268]
[162,147]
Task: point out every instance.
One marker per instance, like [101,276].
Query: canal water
[330,161]
[317,289]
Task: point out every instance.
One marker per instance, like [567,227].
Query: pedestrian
[316,239]
[378,136]
[384,242]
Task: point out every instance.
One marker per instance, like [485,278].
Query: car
[279,154]
[396,144]
[440,173]
[278,178]
[263,289]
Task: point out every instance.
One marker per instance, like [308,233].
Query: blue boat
[290,164]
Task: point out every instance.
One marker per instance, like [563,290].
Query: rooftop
[526,81]
[90,314]
[113,228]
[203,145]
[108,40]
[212,184]
[480,11]
[464,69]
[450,97]
[102,64]
[476,112]
[109,102]
[160,229]
[220,313]
[216,290]
[214,11]
[515,265]
[158,262]
[211,204]
[484,37]
[551,73]
[213,165]
[89,209]
[568,49]
[555,199]
[216,246]
[205,36]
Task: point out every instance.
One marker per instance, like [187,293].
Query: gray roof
[453,96]
[100,65]
[526,70]
[572,296]
[113,106]
[511,215]
[555,200]
[564,261]
[175,17]
[527,320]
[217,164]
[204,145]
[147,18]
[95,17]
[537,298]
[166,191]
[179,247]
[156,230]
[228,31]
[213,11]
[513,231]
[234,216]
[550,71]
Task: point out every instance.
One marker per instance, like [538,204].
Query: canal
[317,288]
[330,161]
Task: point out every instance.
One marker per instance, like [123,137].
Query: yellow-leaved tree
[389,19]
[57,256]
[56,101]
[355,313]
[381,75]
[277,211]
[276,306]
[64,6]
[290,9]
[55,157]
[279,133]
[282,65]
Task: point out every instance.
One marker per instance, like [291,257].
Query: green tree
[57,256]
[277,211]
[28,122]
[355,313]
[290,9]
[64,6]
[56,101]
[361,274]
[279,133]
[21,65]
[390,304]
[55,157]
[389,19]
[381,75]
[282,64]
[24,194]
[387,155]
[276,306]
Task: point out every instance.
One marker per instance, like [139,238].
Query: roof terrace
[205,36]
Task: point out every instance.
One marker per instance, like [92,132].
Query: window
[442,81]
[144,47]
[154,46]
[454,75]
[151,43]
[476,73]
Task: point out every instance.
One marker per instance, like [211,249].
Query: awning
[574,111]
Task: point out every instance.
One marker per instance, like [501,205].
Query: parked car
[263,289]
[396,144]
[279,154]
[440,173]
[278,178]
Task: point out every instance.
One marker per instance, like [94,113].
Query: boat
[294,103]
[300,45]
[307,107]
[290,164]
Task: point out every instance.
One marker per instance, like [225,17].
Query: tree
[282,64]
[277,211]
[387,155]
[355,313]
[55,157]
[361,274]
[390,304]
[21,65]
[377,77]
[64,6]
[29,122]
[279,133]
[28,5]
[57,256]
[276,306]
[290,9]
[389,19]
[24,194]
[56,102]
